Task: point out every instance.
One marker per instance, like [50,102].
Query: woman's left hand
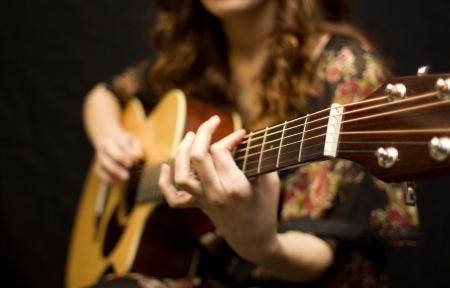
[245,212]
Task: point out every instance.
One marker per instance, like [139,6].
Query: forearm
[101,114]
[295,257]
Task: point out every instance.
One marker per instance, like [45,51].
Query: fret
[262,150]
[148,182]
[314,137]
[154,188]
[281,144]
[253,152]
[141,186]
[147,188]
[271,148]
[240,153]
[292,137]
[244,166]
[303,139]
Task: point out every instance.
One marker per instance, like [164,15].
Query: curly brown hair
[191,53]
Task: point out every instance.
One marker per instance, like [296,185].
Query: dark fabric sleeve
[339,199]
[133,82]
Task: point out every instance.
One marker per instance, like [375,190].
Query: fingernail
[214,118]
[189,135]
[124,175]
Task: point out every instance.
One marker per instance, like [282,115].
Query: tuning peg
[386,157]
[424,70]
[443,88]
[439,148]
[395,91]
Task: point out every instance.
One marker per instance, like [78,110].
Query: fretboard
[293,143]
[286,145]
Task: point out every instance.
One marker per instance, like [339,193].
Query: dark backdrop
[52,52]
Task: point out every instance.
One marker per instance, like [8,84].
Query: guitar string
[343,122]
[345,113]
[244,141]
[357,119]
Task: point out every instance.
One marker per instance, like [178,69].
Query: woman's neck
[247,31]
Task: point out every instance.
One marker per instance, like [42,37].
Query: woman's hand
[245,212]
[116,149]
[115,156]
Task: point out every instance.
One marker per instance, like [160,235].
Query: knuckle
[99,155]
[181,180]
[172,204]
[215,148]
[217,202]
[233,191]
[106,144]
[196,156]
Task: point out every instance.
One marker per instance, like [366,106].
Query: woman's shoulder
[357,42]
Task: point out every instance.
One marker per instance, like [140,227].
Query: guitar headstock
[401,132]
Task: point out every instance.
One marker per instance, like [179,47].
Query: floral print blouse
[334,199]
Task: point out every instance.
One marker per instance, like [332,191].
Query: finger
[268,180]
[132,147]
[116,152]
[199,153]
[184,175]
[268,186]
[111,167]
[221,151]
[136,151]
[175,199]
[104,176]
[204,164]
[229,174]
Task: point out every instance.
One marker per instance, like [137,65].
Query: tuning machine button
[395,91]
[439,148]
[386,157]
[424,70]
[443,88]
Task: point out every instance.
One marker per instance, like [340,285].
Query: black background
[52,52]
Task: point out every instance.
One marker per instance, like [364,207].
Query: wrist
[108,132]
[261,252]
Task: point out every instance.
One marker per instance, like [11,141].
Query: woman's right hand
[114,156]
[116,150]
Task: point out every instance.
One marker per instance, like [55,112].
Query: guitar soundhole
[113,234]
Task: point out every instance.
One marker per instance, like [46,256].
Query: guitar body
[113,234]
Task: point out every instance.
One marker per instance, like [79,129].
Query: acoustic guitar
[401,132]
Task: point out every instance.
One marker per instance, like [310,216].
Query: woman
[273,60]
